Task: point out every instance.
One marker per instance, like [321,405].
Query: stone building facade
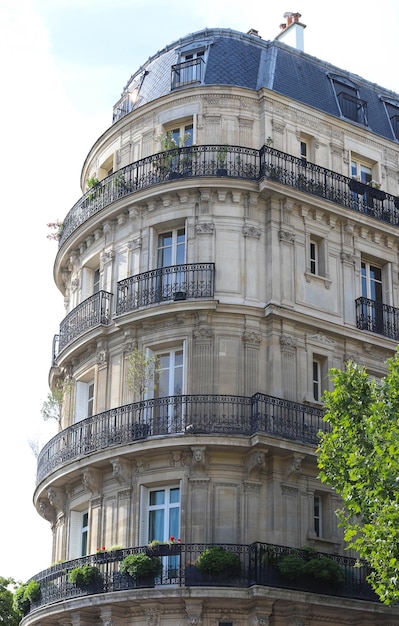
[245,262]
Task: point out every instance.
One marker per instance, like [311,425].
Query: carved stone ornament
[198,461]
[120,470]
[253,337]
[91,479]
[56,497]
[204,229]
[151,616]
[288,342]
[287,236]
[251,231]
[256,464]
[47,511]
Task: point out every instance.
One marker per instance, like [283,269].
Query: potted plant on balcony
[25,595]
[308,568]
[86,577]
[357,186]
[141,569]
[375,191]
[221,159]
[214,565]
[164,548]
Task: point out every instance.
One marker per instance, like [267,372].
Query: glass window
[164,514]
[313,257]
[85,533]
[172,248]
[317,515]
[316,380]
[371,282]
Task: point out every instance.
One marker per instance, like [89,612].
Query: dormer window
[392,109]
[191,66]
[351,106]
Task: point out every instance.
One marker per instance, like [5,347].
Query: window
[318,515]
[182,134]
[313,253]
[317,256]
[163,513]
[350,105]
[171,255]
[169,385]
[84,400]
[304,150]
[319,377]
[372,305]
[90,282]
[190,69]
[316,377]
[392,109]
[360,171]
[78,534]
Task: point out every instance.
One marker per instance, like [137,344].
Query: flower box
[357,187]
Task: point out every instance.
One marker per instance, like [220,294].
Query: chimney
[291,33]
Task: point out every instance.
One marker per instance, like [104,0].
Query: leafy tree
[9,614]
[141,373]
[359,458]
[52,406]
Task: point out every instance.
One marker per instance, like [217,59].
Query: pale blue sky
[63,65]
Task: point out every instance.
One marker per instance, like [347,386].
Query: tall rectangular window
[85,533]
[84,405]
[316,380]
[164,514]
[317,515]
[313,254]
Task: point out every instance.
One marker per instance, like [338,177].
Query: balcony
[377,317]
[258,566]
[182,415]
[194,162]
[177,282]
[188,72]
[95,311]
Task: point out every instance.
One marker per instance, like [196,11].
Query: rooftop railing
[182,415]
[257,564]
[233,162]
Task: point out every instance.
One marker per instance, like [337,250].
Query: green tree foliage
[141,373]
[52,406]
[9,614]
[359,458]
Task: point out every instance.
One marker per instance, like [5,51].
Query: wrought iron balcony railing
[182,415]
[258,564]
[177,282]
[187,72]
[92,312]
[377,317]
[235,162]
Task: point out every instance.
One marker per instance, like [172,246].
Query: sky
[64,64]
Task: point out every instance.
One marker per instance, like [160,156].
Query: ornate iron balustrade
[377,317]
[177,282]
[94,311]
[258,565]
[182,415]
[235,162]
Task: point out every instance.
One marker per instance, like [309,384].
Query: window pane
[157,497]
[156,525]
[174,515]
[174,495]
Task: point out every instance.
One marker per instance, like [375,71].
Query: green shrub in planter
[218,560]
[325,569]
[292,566]
[141,566]
[25,595]
[84,575]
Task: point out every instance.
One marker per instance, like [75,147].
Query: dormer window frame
[190,67]
[392,111]
[349,104]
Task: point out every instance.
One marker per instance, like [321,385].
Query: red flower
[179,541]
[171,539]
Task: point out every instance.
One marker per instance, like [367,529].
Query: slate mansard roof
[246,60]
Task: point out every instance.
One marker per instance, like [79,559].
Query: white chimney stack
[291,32]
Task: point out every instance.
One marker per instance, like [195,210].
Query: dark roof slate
[248,61]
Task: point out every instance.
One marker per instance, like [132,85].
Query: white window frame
[85,399]
[145,509]
[318,515]
[78,531]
